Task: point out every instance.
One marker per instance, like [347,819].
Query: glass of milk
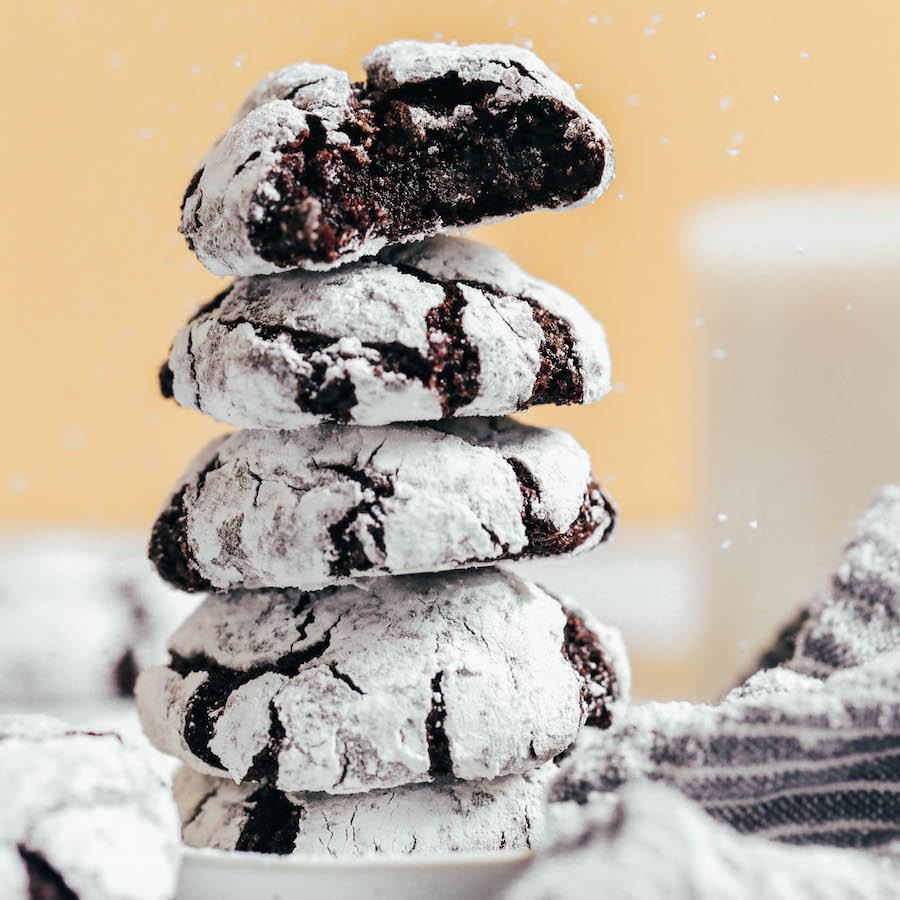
[798,372]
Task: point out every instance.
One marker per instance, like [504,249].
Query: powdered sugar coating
[422,820]
[359,344]
[81,615]
[360,688]
[333,503]
[87,806]
[237,171]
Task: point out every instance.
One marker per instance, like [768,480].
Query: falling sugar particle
[656,18]
[753,524]
[701,14]
[678,536]
[737,137]
[196,70]
[632,101]
[578,85]
[593,20]
[713,57]
[849,306]
[17,483]
[511,21]
[145,134]
[527,43]
[114,60]
[776,98]
[804,54]
[699,322]
[719,353]
[649,31]
[725,544]
[722,517]
[437,35]
[800,248]
[619,387]
[239,60]
[725,102]
[73,438]
[664,141]
[620,196]
[733,151]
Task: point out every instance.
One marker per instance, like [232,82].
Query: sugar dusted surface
[93,808]
[222,365]
[421,820]
[259,506]
[354,714]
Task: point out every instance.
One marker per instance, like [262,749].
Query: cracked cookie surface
[422,819]
[447,327]
[409,679]
[317,171]
[83,816]
[330,504]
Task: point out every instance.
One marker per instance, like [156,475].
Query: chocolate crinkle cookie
[472,674]
[317,170]
[81,615]
[333,503]
[449,816]
[446,327]
[83,817]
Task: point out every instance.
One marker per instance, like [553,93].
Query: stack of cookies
[360,678]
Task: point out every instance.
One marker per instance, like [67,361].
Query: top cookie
[317,171]
[446,327]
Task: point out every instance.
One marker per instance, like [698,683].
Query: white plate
[214,875]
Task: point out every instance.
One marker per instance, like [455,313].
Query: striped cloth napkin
[789,787]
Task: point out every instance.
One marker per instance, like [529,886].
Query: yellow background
[108,106]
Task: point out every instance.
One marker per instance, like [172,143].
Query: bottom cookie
[422,819]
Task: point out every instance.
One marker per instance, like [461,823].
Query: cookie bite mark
[44,882]
[440,761]
[600,688]
[439,153]
[544,539]
[272,824]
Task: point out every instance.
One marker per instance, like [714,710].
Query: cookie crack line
[440,759]
[544,539]
[210,697]
[272,825]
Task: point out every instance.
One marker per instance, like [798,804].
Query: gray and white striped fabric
[807,751]
[804,752]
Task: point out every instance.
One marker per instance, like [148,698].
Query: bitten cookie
[317,171]
[472,674]
[83,816]
[419,819]
[81,615]
[332,503]
[447,327]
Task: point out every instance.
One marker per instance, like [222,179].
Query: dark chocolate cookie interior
[400,176]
